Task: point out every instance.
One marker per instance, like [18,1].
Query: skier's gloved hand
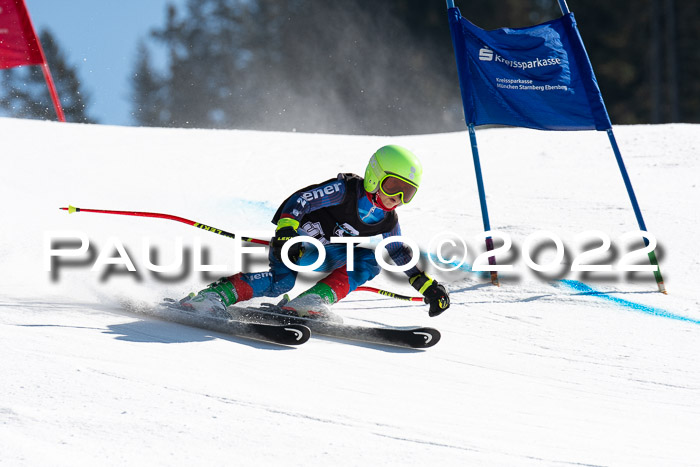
[286,230]
[437,297]
[434,294]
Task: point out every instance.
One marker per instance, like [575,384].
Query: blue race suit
[350,202]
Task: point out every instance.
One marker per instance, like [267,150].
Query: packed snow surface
[554,368]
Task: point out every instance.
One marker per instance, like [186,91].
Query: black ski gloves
[434,294]
[282,235]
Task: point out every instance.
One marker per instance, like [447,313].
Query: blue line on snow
[585,289]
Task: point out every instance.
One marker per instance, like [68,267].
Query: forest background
[362,66]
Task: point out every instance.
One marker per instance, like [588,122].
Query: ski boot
[314,304]
[309,306]
[213,300]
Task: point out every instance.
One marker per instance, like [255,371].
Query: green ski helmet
[395,171]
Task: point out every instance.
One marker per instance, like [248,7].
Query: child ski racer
[344,206]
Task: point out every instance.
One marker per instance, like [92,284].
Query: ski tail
[279,333]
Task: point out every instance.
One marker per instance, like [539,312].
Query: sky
[100,39]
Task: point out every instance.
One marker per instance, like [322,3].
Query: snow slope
[596,369]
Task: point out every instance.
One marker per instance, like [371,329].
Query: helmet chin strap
[377,201]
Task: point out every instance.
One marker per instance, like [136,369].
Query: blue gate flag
[537,77]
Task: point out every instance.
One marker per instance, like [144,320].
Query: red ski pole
[390,294]
[199,225]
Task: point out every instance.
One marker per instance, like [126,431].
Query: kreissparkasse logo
[486,54]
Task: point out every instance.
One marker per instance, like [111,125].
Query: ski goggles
[393,185]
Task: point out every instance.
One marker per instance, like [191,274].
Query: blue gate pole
[564,7]
[637,211]
[626,179]
[482,200]
[477,168]
[630,191]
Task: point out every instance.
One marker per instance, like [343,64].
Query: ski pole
[389,294]
[199,225]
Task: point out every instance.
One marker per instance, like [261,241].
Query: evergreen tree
[27,96]
[147,91]
[369,67]
[205,55]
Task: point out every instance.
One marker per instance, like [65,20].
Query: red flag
[18,42]
[20,46]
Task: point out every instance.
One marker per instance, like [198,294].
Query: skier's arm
[400,254]
[435,294]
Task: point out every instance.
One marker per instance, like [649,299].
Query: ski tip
[301,333]
[426,337]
